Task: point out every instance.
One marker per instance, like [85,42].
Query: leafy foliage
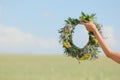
[90,50]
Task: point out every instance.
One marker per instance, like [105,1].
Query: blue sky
[31,26]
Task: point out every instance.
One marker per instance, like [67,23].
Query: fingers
[84,22]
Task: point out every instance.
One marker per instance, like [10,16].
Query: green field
[56,67]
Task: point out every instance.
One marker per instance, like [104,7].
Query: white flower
[68,28]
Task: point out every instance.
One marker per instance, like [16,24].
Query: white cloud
[13,38]
[108,33]
[112,38]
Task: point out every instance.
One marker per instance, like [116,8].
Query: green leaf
[83,14]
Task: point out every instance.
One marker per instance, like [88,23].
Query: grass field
[56,67]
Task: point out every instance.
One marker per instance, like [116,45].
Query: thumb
[84,22]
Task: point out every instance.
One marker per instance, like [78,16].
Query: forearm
[102,43]
[113,55]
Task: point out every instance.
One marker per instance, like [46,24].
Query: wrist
[95,31]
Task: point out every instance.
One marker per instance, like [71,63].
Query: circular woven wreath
[90,50]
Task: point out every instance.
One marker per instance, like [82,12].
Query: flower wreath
[90,50]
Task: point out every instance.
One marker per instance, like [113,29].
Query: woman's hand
[90,26]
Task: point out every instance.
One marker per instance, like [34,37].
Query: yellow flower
[67,44]
[82,58]
[95,40]
[85,56]
[90,19]
[83,17]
